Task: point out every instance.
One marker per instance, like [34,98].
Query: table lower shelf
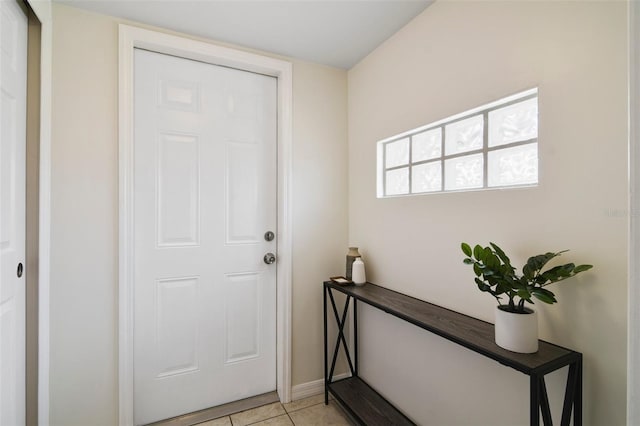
[365,404]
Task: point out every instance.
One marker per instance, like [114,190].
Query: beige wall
[84,243]
[453,57]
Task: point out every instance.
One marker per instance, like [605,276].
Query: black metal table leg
[569,395]
[534,403]
[577,404]
[573,394]
[544,403]
[326,378]
[355,336]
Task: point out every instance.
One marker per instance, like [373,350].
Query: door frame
[134,37]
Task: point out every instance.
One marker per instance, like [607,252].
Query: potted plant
[516,325]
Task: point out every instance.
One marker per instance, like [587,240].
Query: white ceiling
[338,33]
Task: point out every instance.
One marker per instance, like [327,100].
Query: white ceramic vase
[517,332]
[359,276]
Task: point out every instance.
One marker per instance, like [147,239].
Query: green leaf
[515,280]
[492,260]
[468,261]
[537,262]
[581,268]
[559,273]
[482,285]
[504,287]
[528,272]
[478,252]
[567,270]
[524,294]
[538,281]
[555,273]
[544,295]
[519,284]
[501,254]
[466,249]
[477,269]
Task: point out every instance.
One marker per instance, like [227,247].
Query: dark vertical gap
[32,213]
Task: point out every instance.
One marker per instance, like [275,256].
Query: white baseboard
[316,387]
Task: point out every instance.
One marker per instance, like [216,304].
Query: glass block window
[492,146]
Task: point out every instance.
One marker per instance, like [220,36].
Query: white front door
[13,94]
[204,197]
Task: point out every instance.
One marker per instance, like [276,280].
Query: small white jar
[358,275]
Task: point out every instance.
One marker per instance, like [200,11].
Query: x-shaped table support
[341,341]
[572,398]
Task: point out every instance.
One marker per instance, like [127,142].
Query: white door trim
[133,37]
[633,356]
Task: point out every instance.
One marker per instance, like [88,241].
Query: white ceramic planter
[517,332]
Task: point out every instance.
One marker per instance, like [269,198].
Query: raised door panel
[179,95]
[177,326]
[9,351]
[242,192]
[8,171]
[242,316]
[178,187]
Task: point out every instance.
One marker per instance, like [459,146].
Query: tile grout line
[287,412]
[289,415]
[264,420]
[301,409]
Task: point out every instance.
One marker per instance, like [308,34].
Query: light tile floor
[305,412]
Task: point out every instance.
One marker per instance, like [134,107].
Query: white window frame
[483,111]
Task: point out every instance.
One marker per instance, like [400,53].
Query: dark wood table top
[472,333]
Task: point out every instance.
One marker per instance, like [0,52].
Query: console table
[370,408]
